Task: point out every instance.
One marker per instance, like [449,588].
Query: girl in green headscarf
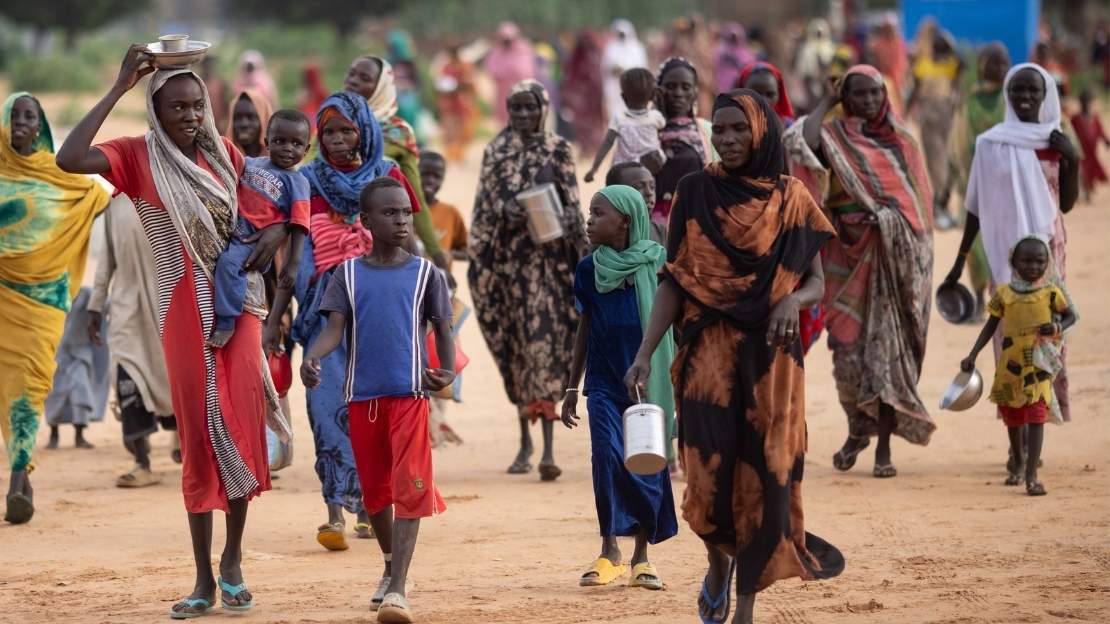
[614,288]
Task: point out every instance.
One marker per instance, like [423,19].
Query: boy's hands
[310,372]
[968,364]
[271,336]
[570,407]
[589,177]
[436,379]
[1049,329]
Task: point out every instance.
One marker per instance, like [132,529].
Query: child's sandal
[1015,478]
[1035,488]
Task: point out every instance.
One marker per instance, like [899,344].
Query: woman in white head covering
[624,51]
[1024,178]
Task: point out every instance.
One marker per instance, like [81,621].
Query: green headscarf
[641,261]
[45,139]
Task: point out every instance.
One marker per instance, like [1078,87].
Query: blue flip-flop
[234,591]
[715,603]
[191,603]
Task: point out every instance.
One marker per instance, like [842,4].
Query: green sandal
[191,603]
[234,591]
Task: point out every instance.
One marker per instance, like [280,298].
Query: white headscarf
[1007,188]
[623,52]
[383,101]
[203,209]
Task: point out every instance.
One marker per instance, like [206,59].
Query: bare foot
[220,338]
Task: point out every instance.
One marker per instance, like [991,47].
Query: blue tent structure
[976,22]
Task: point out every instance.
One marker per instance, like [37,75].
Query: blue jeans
[229,279]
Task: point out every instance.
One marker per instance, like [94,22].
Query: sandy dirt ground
[944,542]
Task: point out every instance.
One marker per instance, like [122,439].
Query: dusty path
[944,542]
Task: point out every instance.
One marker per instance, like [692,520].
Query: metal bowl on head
[964,391]
[955,303]
[177,53]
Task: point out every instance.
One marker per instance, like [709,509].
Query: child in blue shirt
[270,191]
[382,303]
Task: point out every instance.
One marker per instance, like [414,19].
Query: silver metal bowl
[964,391]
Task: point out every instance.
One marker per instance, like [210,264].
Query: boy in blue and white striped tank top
[383,302]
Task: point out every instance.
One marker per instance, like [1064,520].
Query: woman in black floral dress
[522,290]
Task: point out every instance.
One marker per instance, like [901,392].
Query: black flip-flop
[520,468]
[844,461]
[20,509]
[1035,488]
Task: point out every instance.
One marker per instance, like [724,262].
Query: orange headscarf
[261,106]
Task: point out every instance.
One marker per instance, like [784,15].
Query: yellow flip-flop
[331,536]
[645,569]
[606,572]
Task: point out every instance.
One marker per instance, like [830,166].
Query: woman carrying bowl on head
[742,260]
[879,267]
[182,178]
[522,290]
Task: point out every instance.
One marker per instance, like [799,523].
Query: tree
[343,15]
[72,16]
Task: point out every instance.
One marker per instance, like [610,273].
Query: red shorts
[393,455]
[1033,414]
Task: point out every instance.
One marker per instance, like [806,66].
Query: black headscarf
[767,159]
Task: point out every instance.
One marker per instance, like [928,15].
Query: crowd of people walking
[735,229]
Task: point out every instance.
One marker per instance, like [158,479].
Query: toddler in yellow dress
[1034,313]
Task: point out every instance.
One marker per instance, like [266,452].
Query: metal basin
[964,391]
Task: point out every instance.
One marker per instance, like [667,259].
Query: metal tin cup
[174,43]
[645,450]
[544,210]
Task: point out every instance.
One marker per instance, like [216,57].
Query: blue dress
[626,502]
[327,404]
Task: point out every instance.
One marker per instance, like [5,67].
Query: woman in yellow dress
[46,216]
